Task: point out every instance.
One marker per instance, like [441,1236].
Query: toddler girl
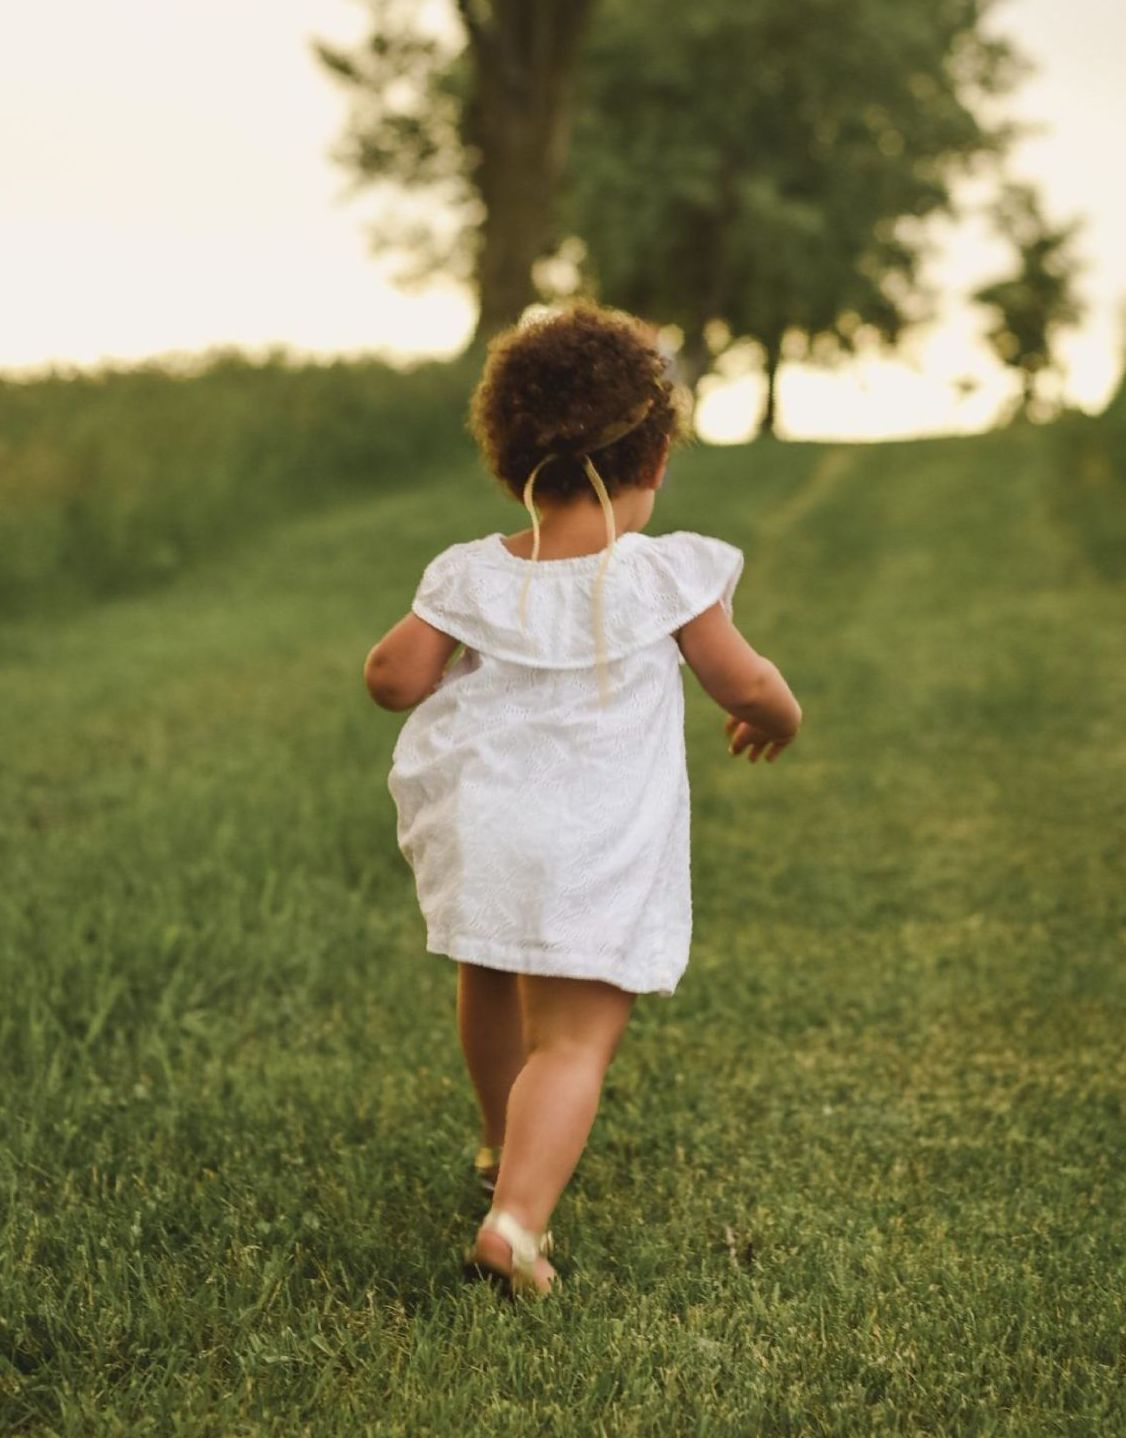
[540,784]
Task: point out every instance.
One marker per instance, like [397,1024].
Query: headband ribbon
[602,439]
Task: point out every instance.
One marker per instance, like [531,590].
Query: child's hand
[756,741]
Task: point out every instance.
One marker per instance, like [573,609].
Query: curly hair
[562,383]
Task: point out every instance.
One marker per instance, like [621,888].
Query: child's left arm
[407,663]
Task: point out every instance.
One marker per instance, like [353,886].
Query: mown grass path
[862,1175]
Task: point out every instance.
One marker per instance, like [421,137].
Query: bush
[115,480]
[1090,492]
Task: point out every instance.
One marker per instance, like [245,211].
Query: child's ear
[660,467]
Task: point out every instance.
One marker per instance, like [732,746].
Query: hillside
[863,1173]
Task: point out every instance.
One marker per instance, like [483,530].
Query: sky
[166,186]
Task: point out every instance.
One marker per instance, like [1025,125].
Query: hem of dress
[515,959]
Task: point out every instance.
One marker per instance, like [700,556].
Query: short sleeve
[428,593]
[702,571]
[443,597]
[653,585]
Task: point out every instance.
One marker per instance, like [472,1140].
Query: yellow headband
[601,440]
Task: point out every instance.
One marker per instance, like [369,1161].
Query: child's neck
[570,530]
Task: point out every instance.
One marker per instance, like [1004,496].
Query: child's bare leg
[572,1028]
[489,1025]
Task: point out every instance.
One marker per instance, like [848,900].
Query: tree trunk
[1028,395]
[767,424]
[693,360]
[518,183]
[519,122]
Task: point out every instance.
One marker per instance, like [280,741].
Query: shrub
[117,479]
[1090,490]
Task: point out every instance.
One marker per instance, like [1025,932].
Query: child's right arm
[764,713]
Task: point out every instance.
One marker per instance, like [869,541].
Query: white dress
[549,834]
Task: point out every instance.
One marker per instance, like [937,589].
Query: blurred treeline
[756,178]
[115,480]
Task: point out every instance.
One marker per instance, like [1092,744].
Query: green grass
[862,1175]
[118,480]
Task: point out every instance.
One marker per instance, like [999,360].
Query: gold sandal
[487,1164]
[526,1248]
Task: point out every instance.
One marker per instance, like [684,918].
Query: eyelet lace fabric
[547,830]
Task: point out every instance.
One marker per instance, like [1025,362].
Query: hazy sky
[165,184]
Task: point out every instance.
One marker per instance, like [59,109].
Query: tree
[480,123]
[762,170]
[1031,306]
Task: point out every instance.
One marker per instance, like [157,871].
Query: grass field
[863,1174]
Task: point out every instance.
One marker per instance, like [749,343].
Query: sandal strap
[526,1246]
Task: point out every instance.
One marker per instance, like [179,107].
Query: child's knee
[577,1051]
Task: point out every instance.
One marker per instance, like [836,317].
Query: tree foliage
[408,89]
[1034,303]
[762,170]
[477,129]
[746,170]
